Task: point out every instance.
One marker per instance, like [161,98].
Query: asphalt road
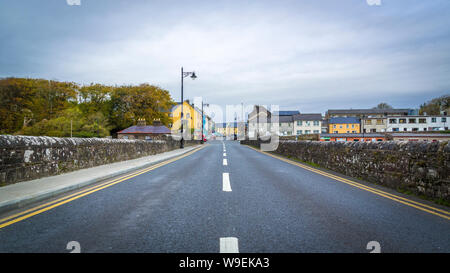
[268,206]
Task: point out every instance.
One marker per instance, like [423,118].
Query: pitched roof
[344,120]
[145,130]
[308,117]
[285,113]
[283,118]
[368,111]
[258,109]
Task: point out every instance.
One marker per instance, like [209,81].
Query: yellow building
[227,128]
[344,125]
[192,119]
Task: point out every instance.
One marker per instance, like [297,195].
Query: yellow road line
[55,203]
[393,197]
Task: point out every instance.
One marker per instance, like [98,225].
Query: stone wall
[419,167]
[25,157]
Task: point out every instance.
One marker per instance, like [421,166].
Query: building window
[299,122]
[307,132]
[443,119]
[125,137]
[299,132]
[353,125]
[402,120]
[395,129]
[422,120]
[340,126]
[433,120]
[373,130]
[348,132]
[334,126]
[316,131]
[335,132]
[308,123]
[368,121]
[380,122]
[354,132]
[316,123]
[412,120]
[392,121]
[405,129]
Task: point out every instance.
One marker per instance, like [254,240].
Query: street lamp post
[203,104]
[184,75]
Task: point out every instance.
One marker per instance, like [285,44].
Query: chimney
[157,122]
[141,122]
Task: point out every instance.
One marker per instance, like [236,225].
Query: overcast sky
[310,55]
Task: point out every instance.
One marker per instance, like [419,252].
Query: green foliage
[42,107]
[383,105]
[71,120]
[131,103]
[436,105]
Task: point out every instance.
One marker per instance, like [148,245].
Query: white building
[305,124]
[417,123]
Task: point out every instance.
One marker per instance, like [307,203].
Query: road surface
[228,197]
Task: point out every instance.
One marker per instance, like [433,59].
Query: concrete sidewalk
[23,193]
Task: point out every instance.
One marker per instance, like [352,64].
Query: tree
[131,103]
[383,105]
[26,101]
[43,107]
[70,122]
[436,105]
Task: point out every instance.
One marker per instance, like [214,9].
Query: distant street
[228,197]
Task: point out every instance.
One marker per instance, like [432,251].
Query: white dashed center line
[226,182]
[225,163]
[224,154]
[229,245]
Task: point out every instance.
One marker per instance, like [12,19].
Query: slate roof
[285,113]
[367,111]
[283,118]
[146,130]
[344,120]
[308,117]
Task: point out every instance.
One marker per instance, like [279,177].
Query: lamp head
[193,76]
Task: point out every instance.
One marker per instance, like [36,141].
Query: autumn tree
[43,107]
[131,103]
[27,101]
[436,105]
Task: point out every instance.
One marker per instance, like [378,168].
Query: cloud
[303,55]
